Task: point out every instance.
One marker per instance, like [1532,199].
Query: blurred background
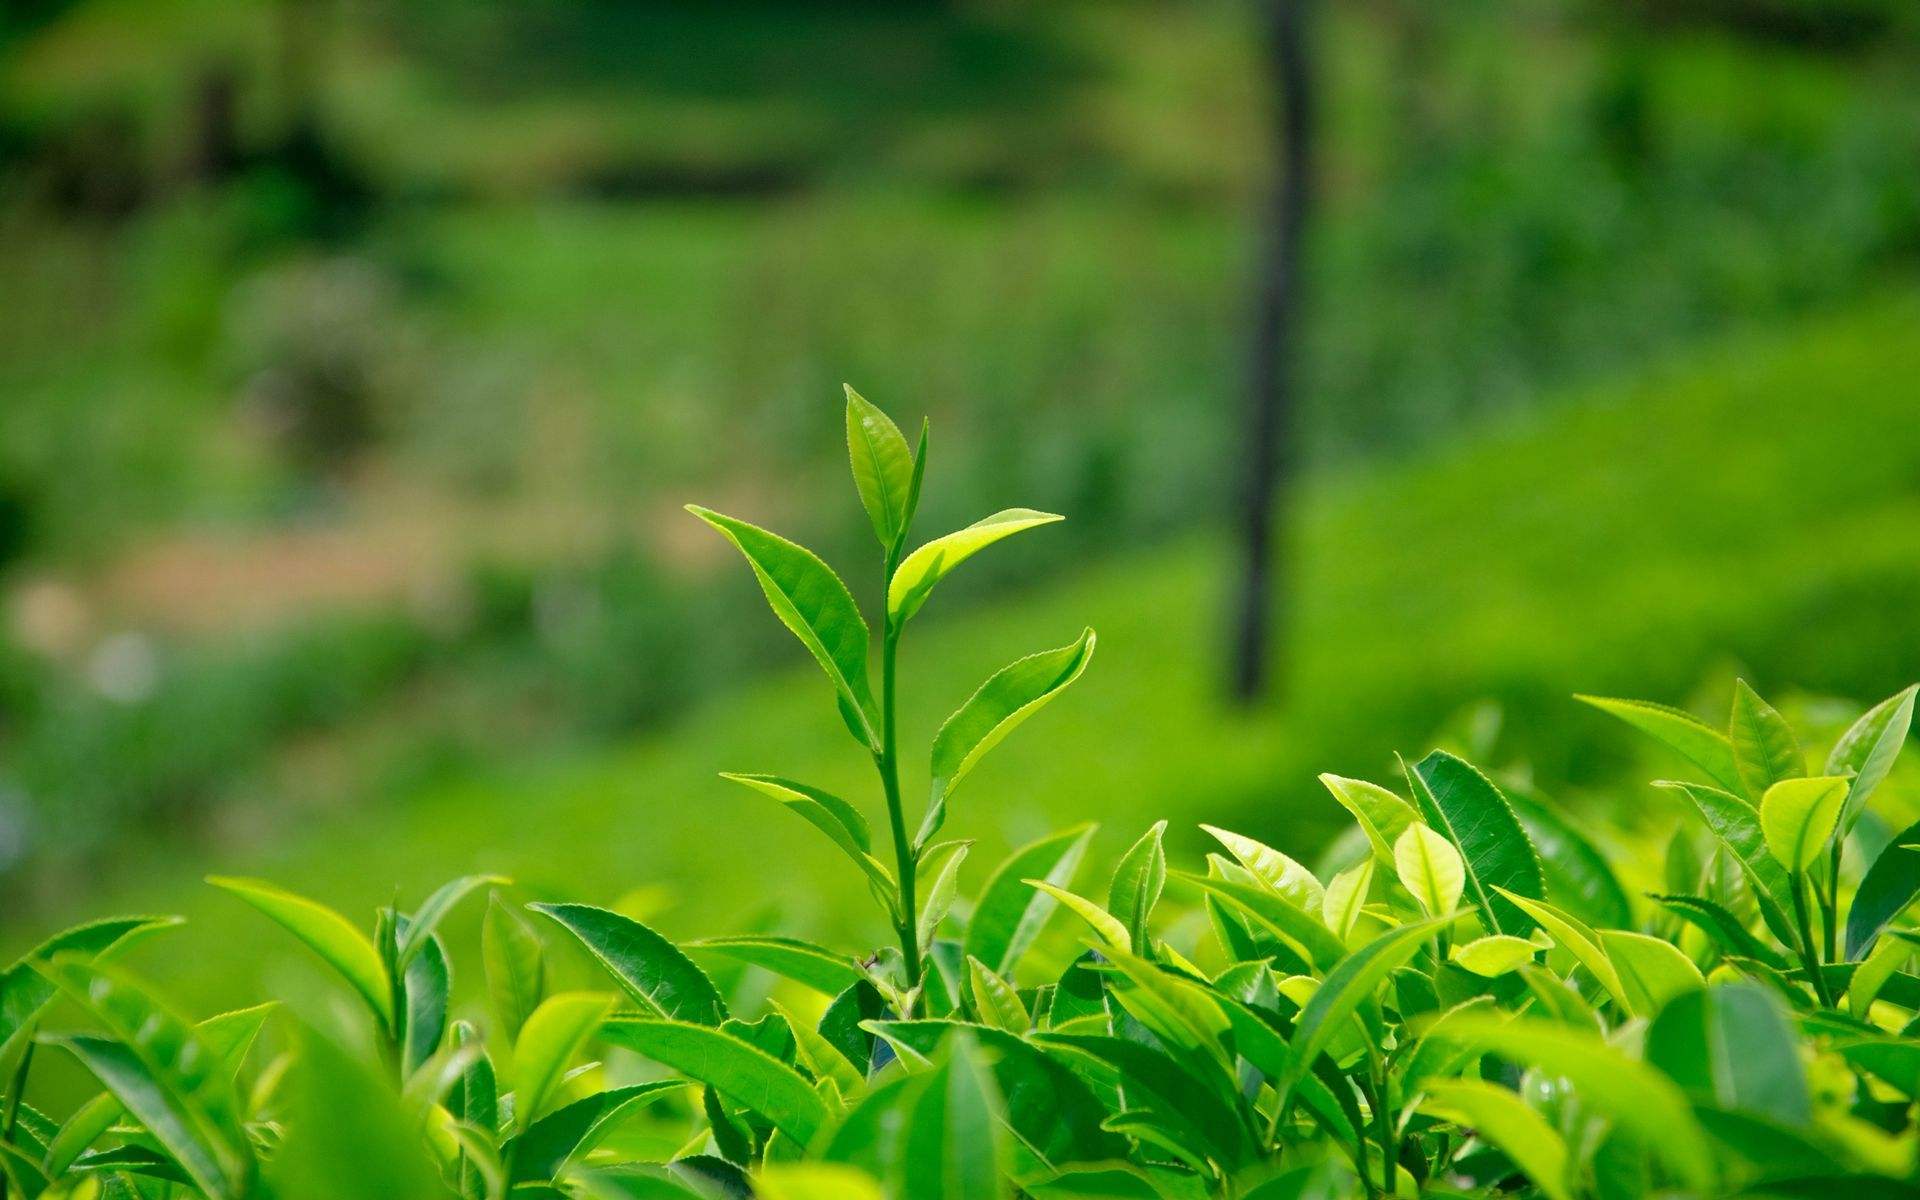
[355,360]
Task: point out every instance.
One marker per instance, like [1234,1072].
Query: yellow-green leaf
[327,933]
[1798,816]
[916,576]
[1430,868]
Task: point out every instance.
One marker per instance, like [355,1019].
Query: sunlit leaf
[1431,869]
[1010,913]
[548,1042]
[1502,1118]
[1798,817]
[1653,972]
[917,574]
[811,601]
[883,468]
[1867,750]
[1137,883]
[335,939]
[817,967]
[1697,742]
[1007,698]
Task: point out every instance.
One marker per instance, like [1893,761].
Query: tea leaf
[941,893]
[1579,940]
[953,1146]
[548,1042]
[811,601]
[917,574]
[839,820]
[1494,955]
[1635,1097]
[647,966]
[1764,749]
[1867,750]
[1273,868]
[803,962]
[1340,995]
[1503,1119]
[1885,891]
[570,1132]
[883,468]
[1729,931]
[1431,869]
[745,1074]
[230,1035]
[1138,882]
[1701,745]
[1381,815]
[434,909]
[163,1074]
[516,966]
[1732,1046]
[1799,816]
[1737,826]
[1111,931]
[1463,804]
[1653,972]
[1010,913]
[326,933]
[1277,913]
[995,999]
[1006,699]
[1346,895]
[25,992]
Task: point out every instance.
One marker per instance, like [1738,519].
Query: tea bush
[1480,997]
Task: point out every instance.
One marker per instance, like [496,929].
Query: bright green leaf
[327,933]
[1764,749]
[548,1042]
[1431,869]
[1799,816]
[651,969]
[811,601]
[882,467]
[917,574]
[743,1073]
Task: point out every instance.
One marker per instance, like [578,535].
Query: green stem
[14,1093]
[1809,953]
[888,764]
[1383,1122]
[1830,908]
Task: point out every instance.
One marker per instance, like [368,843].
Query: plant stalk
[14,1093]
[1809,952]
[1383,1119]
[1830,908]
[888,764]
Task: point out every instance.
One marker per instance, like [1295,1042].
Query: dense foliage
[1475,997]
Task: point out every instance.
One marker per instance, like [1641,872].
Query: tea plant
[1480,995]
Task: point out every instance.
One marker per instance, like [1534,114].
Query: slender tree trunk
[1269,424]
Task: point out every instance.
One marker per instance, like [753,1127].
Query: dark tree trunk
[1269,427]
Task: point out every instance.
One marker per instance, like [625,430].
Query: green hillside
[1597,547]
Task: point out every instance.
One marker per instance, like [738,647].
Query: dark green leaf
[647,966]
[744,1074]
[1732,1047]
[1469,810]
[1889,885]
[570,1132]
